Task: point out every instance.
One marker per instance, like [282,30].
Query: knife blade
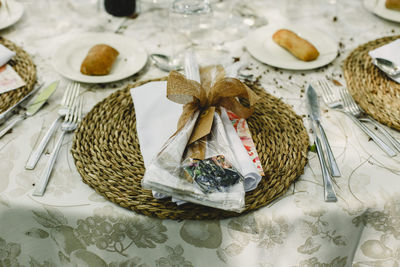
[8,112]
[315,115]
[41,98]
[32,107]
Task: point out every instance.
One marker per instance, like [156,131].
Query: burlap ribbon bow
[214,91]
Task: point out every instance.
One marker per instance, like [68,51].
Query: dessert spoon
[165,62]
[387,66]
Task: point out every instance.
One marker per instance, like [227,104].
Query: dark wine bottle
[120,8]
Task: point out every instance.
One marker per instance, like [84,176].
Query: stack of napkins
[390,52]
[9,79]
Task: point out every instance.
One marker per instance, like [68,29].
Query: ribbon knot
[214,91]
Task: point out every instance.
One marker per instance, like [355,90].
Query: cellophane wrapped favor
[213,181]
[203,170]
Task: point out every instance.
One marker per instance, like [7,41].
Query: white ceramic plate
[69,56]
[261,46]
[378,8]
[16,10]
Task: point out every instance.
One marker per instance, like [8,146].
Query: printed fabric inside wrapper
[197,164]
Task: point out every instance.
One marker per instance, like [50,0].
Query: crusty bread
[99,60]
[393,4]
[299,47]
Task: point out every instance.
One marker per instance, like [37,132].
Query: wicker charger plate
[107,155]
[23,65]
[376,93]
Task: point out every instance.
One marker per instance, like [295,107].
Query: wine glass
[158,8]
[193,19]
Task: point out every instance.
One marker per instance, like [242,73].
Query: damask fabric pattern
[73,226]
[110,237]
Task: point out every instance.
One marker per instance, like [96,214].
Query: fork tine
[78,88]
[353,102]
[66,94]
[70,114]
[80,110]
[74,94]
[73,100]
[344,99]
[327,94]
[77,110]
[70,96]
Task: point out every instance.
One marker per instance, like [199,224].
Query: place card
[9,79]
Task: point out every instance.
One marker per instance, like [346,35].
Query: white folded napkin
[156,120]
[5,54]
[156,117]
[390,52]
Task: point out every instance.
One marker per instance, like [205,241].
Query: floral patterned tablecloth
[74,226]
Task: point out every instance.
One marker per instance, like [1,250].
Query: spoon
[387,66]
[165,63]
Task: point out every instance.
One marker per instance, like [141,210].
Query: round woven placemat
[23,65]
[376,93]
[107,155]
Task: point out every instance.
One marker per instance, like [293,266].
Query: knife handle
[11,124]
[335,172]
[34,157]
[374,137]
[329,191]
[40,187]
[8,112]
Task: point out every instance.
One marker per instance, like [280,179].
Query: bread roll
[299,47]
[99,60]
[393,4]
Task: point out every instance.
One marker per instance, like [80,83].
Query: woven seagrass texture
[376,93]
[23,65]
[107,155]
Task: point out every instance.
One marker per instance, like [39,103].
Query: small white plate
[68,58]
[14,13]
[378,8]
[261,46]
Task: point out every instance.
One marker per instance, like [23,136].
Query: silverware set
[9,112]
[32,107]
[70,95]
[70,111]
[71,120]
[346,104]
[313,105]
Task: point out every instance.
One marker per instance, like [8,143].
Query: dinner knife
[315,115]
[329,191]
[6,114]
[33,106]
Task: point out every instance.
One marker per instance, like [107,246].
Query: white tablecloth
[73,225]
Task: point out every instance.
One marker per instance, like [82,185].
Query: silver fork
[343,105]
[361,115]
[71,120]
[70,94]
